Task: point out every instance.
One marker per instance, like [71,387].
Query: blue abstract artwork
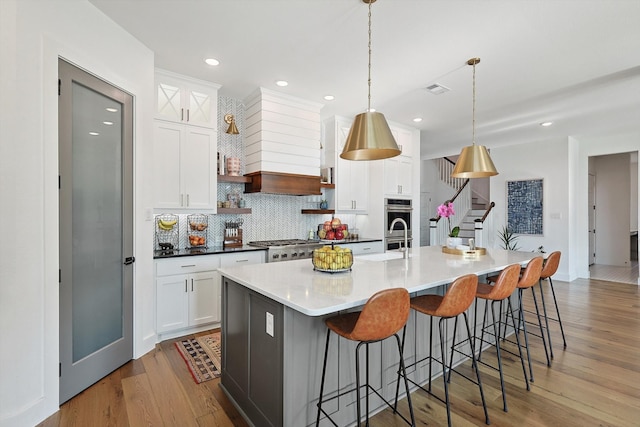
[524,206]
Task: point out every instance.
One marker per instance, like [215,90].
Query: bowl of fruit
[332,259]
[333,230]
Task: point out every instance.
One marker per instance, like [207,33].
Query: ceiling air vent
[437,89]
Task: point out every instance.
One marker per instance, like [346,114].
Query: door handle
[129,260]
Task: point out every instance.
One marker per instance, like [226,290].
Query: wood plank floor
[595,381]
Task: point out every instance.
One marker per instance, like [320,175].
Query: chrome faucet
[405,250]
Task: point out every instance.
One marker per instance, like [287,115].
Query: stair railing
[483,226]
[445,167]
[439,230]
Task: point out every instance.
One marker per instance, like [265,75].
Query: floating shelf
[234,210]
[318,211]
[231,178]
[326,185]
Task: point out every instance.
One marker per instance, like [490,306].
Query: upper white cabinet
[184,166]
[351,177]
[185,100]
[398,171]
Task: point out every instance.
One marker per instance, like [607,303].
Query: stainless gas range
[287,250]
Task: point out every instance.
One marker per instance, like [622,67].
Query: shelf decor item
[233,166]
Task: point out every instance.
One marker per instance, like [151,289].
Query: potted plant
[508,239]
[446,210]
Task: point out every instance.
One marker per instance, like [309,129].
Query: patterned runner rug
[202,355]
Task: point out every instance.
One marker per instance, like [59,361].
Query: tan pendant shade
[474,162]
[370,139]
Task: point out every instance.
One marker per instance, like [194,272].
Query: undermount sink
[385,256]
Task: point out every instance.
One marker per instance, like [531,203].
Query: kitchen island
[273,330]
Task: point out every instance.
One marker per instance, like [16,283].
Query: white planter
[453,242]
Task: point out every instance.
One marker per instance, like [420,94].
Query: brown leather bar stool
[528,279]
[455,302]
[549,269]
[498,293]
[384,314]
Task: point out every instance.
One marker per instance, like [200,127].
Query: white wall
[546,160]
[33,35]
[580,149]
[612,211]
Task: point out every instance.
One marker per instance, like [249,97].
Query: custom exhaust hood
[282,144]
[282,183]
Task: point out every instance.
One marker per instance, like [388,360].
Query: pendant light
[474,160]
[370,137]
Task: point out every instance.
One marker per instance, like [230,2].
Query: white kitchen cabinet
[242,258]
[184,166]
[188,290]
[398,171]
[351,177]
[187,293]
[364,248]
[185,100]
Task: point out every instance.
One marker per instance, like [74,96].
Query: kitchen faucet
[405,250]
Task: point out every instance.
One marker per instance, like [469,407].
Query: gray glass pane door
[95,229]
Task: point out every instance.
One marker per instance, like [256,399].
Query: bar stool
[504,286]
[549,269]
[384,314]
[528,279]
[455,302]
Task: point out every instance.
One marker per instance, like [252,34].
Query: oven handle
[393,208]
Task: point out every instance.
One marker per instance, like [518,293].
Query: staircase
[467,225]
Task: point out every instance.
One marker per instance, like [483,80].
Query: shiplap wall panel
[282,134]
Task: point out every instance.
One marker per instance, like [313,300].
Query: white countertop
[297,285]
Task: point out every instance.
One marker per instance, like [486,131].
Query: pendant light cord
[473,113]
[369,70]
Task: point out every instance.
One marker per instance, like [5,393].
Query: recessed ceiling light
[112,110]
[545,124]
[282,83]
[107,123]
[212,61]
[94,133]
[417,119]
[329,97]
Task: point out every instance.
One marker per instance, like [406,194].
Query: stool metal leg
[555,301]
[524,369]
[522,322]
[546,318]
[544,341]
[474,365]
[324,371]
[406,382]
[444,368]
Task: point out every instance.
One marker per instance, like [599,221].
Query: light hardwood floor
[595,381]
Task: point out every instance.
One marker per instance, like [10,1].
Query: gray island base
[273,331]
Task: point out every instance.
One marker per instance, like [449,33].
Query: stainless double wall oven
[393,209]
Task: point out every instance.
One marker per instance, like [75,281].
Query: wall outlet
[269,323]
